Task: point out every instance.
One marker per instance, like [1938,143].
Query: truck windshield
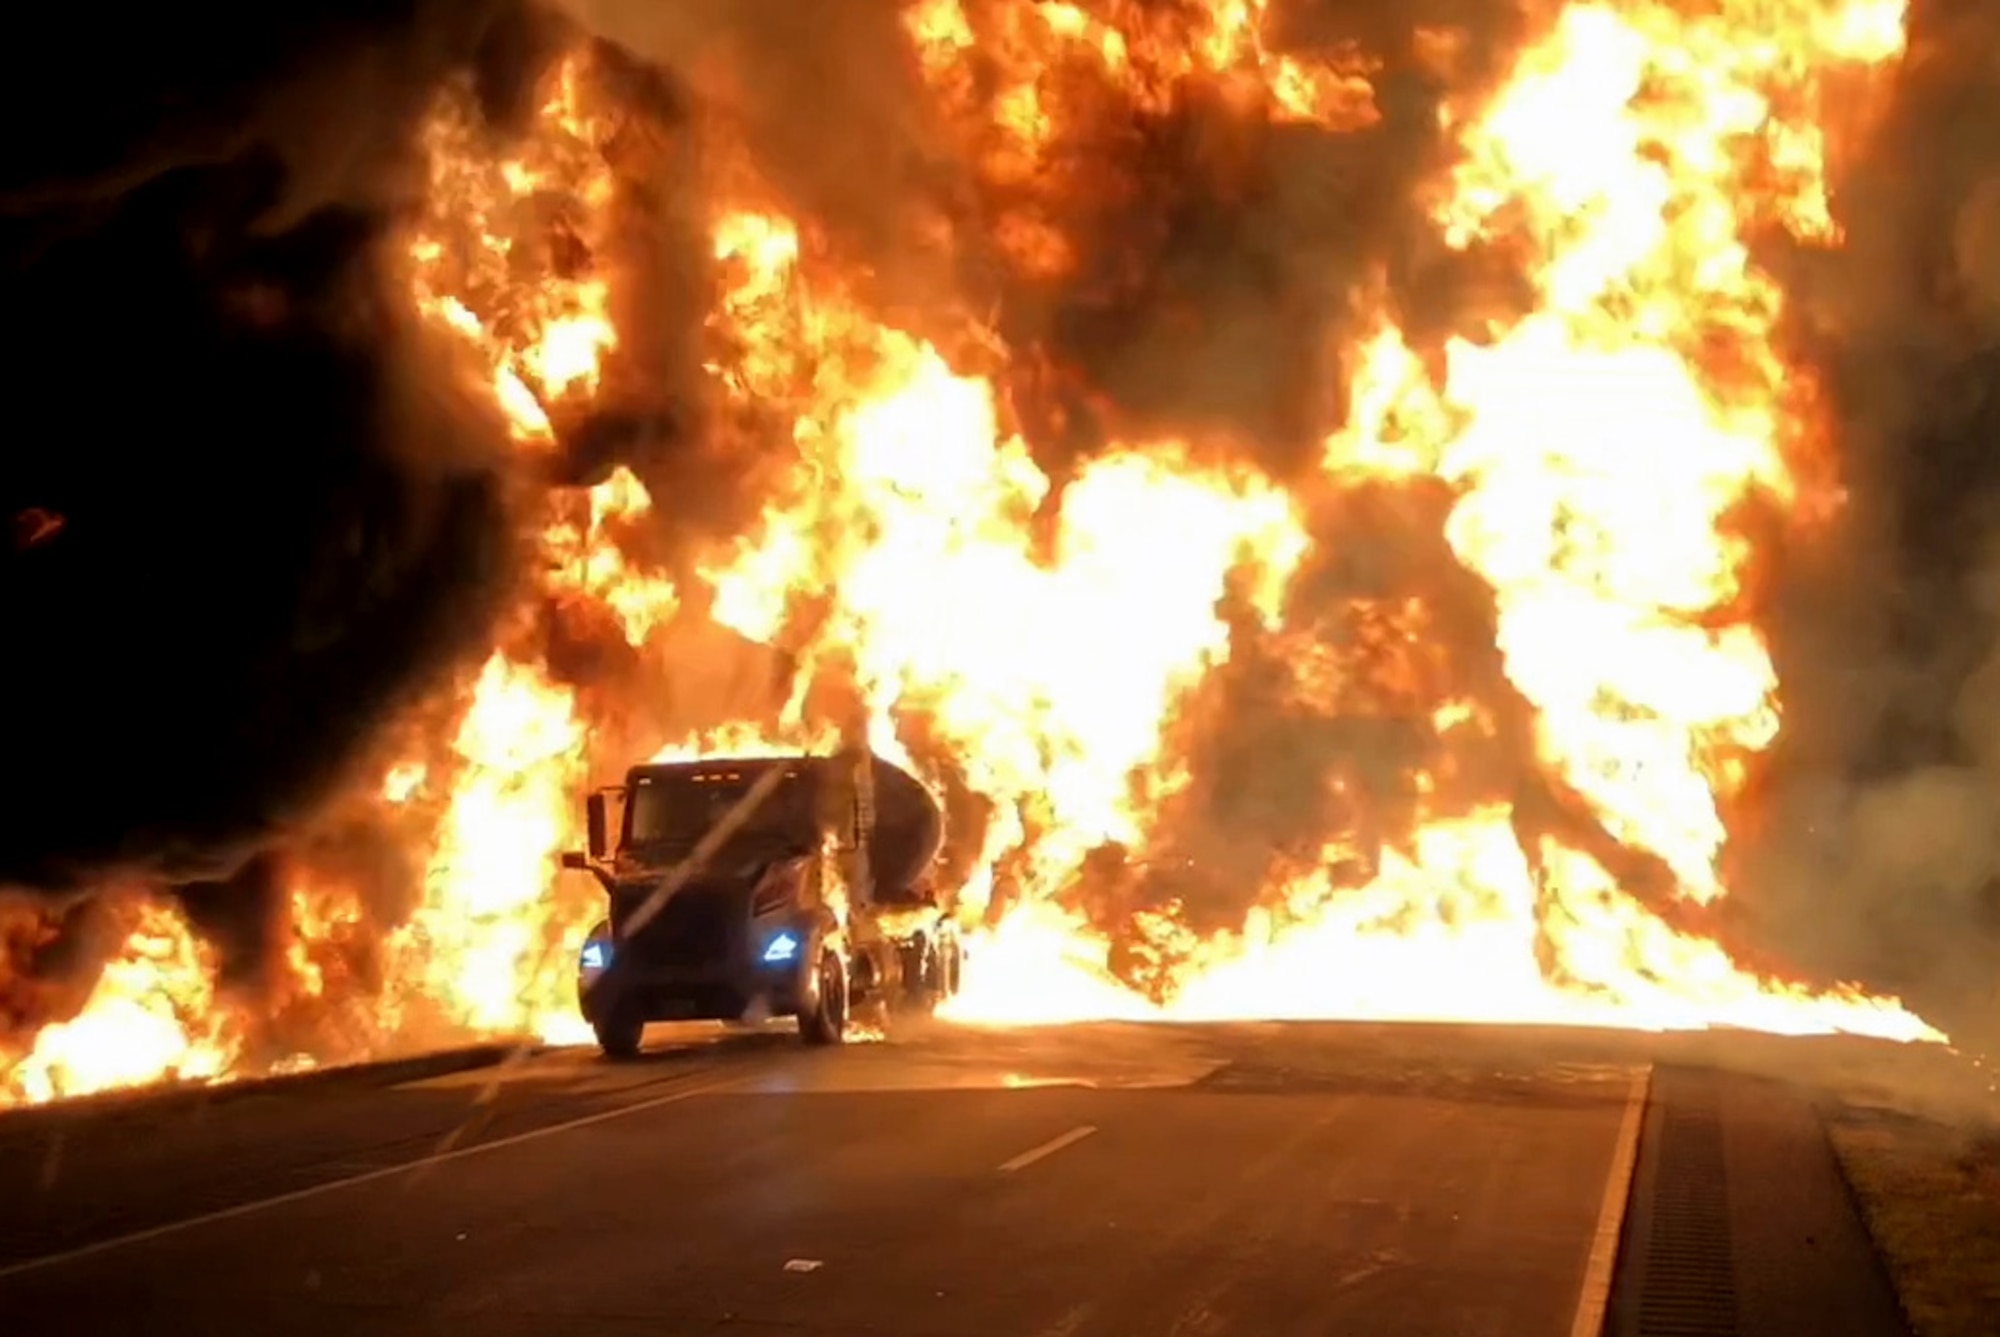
[668,815]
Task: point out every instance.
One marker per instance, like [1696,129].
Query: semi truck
[745,888]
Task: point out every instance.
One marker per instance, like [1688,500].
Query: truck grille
[698,926]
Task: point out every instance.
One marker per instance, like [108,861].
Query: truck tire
[826,1023]
[619,1035]
[930,974]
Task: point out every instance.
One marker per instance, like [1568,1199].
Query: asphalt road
[1265,1180]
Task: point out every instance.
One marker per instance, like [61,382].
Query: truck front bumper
[722,991]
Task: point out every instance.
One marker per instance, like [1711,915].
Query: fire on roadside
[1046,648]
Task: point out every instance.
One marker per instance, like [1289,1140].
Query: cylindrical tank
[909,830]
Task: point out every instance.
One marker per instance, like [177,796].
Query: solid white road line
[1596,1294]
[367,1177]
[1048,1148]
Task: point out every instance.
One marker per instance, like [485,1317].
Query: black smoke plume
[252,509]
[1878,856]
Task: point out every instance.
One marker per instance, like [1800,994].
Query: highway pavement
[1267,1180]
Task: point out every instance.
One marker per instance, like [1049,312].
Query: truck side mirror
[597,825]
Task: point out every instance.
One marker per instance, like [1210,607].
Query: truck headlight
[595,958]
[781,948]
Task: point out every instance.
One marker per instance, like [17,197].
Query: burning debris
[1296,485]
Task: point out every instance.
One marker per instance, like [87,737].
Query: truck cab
[748,887]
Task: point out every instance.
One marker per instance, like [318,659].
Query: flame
[516,294]
[1599,457]
[1598,452]
[908,526]
[483,951]
[152,1016]
[1042,642]
[586,564]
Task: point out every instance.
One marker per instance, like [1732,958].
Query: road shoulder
[1740,1221]
[154,1099]
[1929,1191]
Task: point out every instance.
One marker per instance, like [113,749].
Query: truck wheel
[619,1035]
[826,1024]
[919,986]
[933,974]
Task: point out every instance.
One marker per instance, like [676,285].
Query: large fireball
[1434,691]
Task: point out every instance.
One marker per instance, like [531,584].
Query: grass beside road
[1930,1193]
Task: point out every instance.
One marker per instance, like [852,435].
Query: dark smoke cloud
[1320,749]
[1217,253]
[824,98]
[252,510]
[1322,734]
[1220,254]
[1878,854]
